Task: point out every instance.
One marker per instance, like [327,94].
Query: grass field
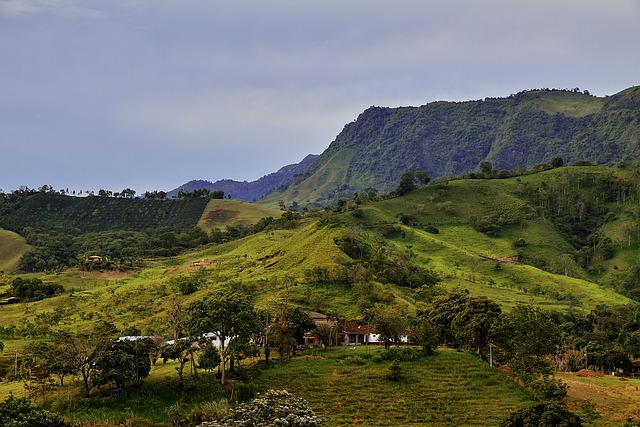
[348,386]
[12,247]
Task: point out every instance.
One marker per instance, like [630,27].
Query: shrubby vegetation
[33,289]
[20,412]
[274,408]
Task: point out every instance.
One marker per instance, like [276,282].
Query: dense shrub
[22,413]
[33,289]
[542,415]
[402,354]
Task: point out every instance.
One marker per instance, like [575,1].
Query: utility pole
[491,355]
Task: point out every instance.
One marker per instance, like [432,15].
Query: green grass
[446,389]
[12,247]
[342,384]
[319,186]
[569,104]
[222,213]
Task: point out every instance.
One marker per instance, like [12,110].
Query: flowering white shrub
[275,408]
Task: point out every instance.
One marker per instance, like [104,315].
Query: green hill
[223,213]
[451,138]
[565,240]
[12,247]
[517,240]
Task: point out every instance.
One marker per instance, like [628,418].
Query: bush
[542,415]
[548,389]
[520,243]
[431,229]
[21,413]
[207,411]
[275,407]
[354,360]
[245,391]
[395,371]
[376,358]
[402,354]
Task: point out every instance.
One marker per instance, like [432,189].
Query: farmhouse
[365,334]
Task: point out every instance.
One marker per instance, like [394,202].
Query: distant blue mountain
[249,191]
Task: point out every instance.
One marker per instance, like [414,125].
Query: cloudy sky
[149,94]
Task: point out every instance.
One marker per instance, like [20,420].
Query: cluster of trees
[33,289]
[9,201]
[533,342]
[201,193]
[95,357]
[98,359]
[127,193]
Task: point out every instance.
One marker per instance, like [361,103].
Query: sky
[150,94]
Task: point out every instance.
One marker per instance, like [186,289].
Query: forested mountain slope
[451,138]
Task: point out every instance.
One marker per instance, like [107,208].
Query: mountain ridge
[451,138]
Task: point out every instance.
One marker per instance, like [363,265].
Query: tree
[288,329]
[486,167]
[182,351]
[389,325]
[53,356]
[557,162]
[407,184]
[422,177]
[209,357]
[175,317]
[524,338]
[228,315]
[123,362]
[40,382]
[84,351]
[324,333]
[472,325]
[424,331]
[444,309]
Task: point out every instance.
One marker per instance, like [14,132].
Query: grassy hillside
[222,213]
[565,240]
[322,262]
[348,386]
[12,247]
